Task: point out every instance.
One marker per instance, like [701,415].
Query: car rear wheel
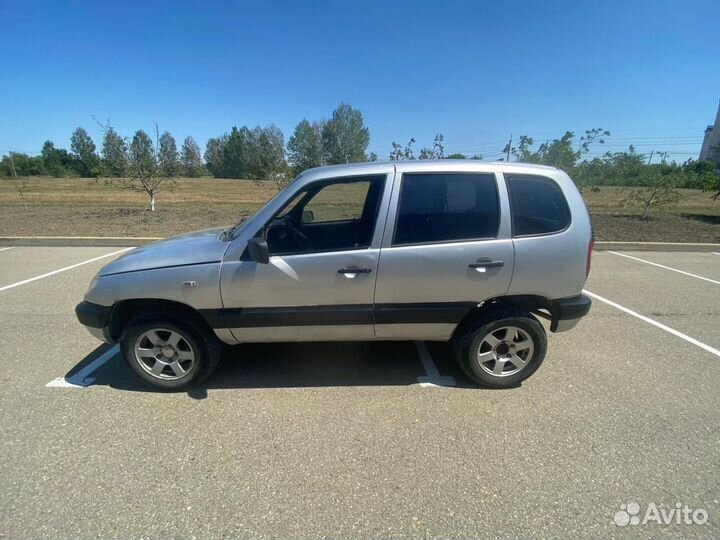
[168,353]
[503,352]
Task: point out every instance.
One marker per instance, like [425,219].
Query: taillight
[589,255]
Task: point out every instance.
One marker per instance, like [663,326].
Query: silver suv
[458,251]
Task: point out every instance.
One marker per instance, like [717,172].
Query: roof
[426,164]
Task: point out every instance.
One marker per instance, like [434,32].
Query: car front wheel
[169,353]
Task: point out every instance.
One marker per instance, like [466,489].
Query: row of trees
[245,152]
[658,182]
[261,153]
[84,160]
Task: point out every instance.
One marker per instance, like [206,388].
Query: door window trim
[457,240]
[329,181]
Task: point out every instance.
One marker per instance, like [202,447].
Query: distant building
[710,150]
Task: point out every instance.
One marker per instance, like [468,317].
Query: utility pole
[12,164]
[509,146]
[20,187]
[651,155]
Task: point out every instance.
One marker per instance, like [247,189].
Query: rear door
[446,247]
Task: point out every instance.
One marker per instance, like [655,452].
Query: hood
[197,247]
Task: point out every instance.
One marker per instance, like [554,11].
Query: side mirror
[308,216]
[258,250]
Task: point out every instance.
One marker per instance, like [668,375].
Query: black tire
[205,347]
[471,339]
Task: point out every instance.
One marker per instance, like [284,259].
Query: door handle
[350,273]
[482,266]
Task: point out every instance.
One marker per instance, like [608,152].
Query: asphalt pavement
[340,440]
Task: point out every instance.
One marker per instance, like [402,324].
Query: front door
[319,283]
[448,247]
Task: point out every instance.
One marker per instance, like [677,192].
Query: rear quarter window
[537,204]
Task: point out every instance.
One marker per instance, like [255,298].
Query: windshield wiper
[227,233]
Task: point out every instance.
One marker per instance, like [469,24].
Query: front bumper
[95,318]
[567,312]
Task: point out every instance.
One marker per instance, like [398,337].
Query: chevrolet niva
[459,251]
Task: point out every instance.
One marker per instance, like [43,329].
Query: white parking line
[648,320]
[432,375]
[665,267]
[81,379]
[716,252]
[6,248]
[23,282]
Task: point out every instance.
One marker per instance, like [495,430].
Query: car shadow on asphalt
[285,365]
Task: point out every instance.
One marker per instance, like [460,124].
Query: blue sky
[474,71]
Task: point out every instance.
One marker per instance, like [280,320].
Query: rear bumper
[567,312]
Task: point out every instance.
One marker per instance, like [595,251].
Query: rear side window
[538,205]
[446,207]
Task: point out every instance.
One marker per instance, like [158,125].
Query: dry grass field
[89,207]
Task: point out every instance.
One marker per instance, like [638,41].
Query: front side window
[331,215]
[537,205]
[447,207]
[338,202]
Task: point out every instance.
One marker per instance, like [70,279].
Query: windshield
[236,229]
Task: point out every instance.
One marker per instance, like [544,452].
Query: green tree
[437,151]
[658,189]
[592,136]
[190,158]
[704,175]
[558,153]
[85,153]
[266,156]
[713,185]
[168,160]
[144,167]
[345,138]
[236,154]
[57,161]
[214,152]
[522,152]
[305,146]
[114,152]
[19,164]
[400,153]
[141,154]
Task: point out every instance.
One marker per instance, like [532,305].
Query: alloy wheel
[164,354]
[505,351]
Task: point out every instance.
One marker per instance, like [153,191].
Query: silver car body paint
[552,266]
[182,250]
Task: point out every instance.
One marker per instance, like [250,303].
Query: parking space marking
[23,282]
[432,376]
[665,267]
[660,325]
[6,248]
[82,378]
